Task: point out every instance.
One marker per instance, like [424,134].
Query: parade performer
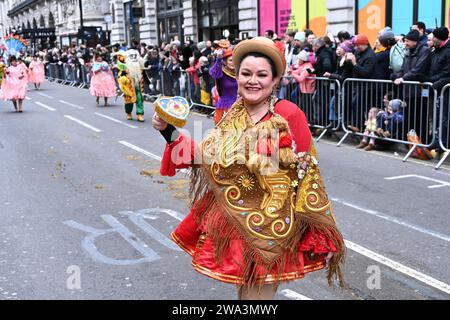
[102,81]
[223,72]
[134,69]
[2,70]
[14,85]
[36,73]
[126,85]
[260,214]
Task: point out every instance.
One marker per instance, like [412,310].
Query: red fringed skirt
[191,237]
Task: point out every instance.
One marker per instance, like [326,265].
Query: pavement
[84,213]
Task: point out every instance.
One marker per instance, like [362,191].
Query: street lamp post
[81,21]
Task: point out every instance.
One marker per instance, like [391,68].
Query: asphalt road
[84,213]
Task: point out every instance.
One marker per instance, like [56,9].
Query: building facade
[157,21]
[53,22]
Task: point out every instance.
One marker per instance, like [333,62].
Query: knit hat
[413,35]
[304,55]
[396,104]
[386,34]
[300,36]
[347,46]
[441,33]
[361,39]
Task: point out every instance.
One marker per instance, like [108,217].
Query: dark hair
[420,25]
[291,34]
[12,58]
[270,33]
[328,41]
[344,35]
[261,55]
[387,43]
[389,95]
[197,55]
[308,32]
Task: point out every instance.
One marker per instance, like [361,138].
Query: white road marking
[385,261]
[136,148]
[45,95]
[432,282]
[116,121]
[71,105]
[84,124]
[441,184]
[27,98]
[45,106]
[293,295]
[395,220]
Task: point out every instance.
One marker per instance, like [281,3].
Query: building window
[218,18]
[170,20]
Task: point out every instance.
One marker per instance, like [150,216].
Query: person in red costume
[260,214]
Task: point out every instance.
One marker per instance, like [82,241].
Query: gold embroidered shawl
[267,201]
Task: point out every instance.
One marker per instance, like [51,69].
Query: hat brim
[260,45]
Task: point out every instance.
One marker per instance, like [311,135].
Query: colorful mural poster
[291,15]
[371,18]
[318,17]
[267,14]
[447,13]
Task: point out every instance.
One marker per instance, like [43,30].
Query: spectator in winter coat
[344,71]
[364,59]
[306,83]
[439,73]
[301,73]
[417,61]
[386,39]
[422,29]
[363,68]
[416,66]
[324,58]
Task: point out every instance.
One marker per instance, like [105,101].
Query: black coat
[342,72]
[324,62]
[382,63]
[416,65]
[365,64]
[440,67]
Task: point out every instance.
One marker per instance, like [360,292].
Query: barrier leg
[410,153]
[343,139]
[324,132]
[442,160]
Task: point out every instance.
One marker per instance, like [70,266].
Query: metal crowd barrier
[444,129]
[180,83]
[73,75]
[359,96]
[321,104]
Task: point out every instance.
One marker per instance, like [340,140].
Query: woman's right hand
[158,123]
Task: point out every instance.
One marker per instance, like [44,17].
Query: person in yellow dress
[126,85]
[2,70]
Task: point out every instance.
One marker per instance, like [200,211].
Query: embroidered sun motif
[246,182]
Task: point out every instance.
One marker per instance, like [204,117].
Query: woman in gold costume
[260,214]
